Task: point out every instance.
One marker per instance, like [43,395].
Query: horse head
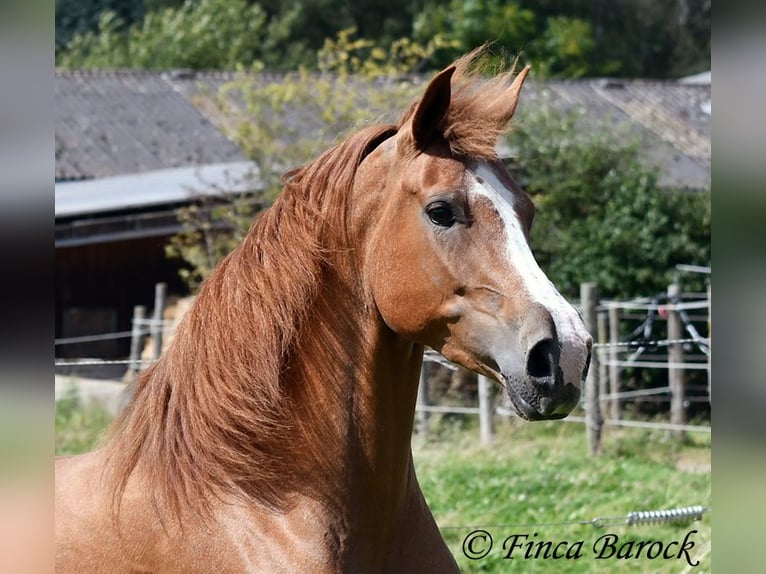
[447,261]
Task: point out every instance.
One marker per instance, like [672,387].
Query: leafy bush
[555,46]
[601,214]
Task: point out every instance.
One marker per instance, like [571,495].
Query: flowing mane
[211,414]
[212,417]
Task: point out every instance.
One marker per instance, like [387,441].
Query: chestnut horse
[273,435]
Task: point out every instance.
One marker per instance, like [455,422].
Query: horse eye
[441,214]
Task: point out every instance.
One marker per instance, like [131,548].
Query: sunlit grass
[533,477]
[536,475]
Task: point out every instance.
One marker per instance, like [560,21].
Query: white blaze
[569,327]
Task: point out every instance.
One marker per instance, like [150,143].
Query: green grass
[78,429]
[532,477]
[537,474]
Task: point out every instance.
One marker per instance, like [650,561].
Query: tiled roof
[115,123]
[121,122]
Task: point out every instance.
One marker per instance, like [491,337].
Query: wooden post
[710,343]
[422,401]
[614,355]
[486,410]
[676,355]
[603,372]
[593,420]
[136,342]
[160,290]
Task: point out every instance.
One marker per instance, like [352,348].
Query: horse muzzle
[542,398]
[555,369]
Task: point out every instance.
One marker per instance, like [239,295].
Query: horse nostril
[541,360]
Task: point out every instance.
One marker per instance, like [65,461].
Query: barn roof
[114,123]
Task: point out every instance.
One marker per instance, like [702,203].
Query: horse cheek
[401,293]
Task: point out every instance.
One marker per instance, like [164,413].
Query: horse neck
[354,386]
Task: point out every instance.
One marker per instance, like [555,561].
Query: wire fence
[625,344]
[626,350]
[682,514]
[145,327]
[652,338]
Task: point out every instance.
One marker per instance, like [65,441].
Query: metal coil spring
[671,515]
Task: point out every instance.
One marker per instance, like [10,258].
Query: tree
[81,17]
[467,24]
[571,38]
[565,48]
[207,34]
[562,38]
[650,39]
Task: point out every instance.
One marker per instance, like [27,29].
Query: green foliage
[348,54]
[106,48]
[565,48]
[82,16]
[601,215]
[555,46]
[470,23]
[650,39]
[568,38]
[206,34]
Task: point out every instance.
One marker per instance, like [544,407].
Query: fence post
[603,373]
[676,355]
[160,291]
[614,355]
[486,408]
[136,342]
[710,343]
[593,420]
[422,401]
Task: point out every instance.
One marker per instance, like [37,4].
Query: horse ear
[515,89]
[432,108]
